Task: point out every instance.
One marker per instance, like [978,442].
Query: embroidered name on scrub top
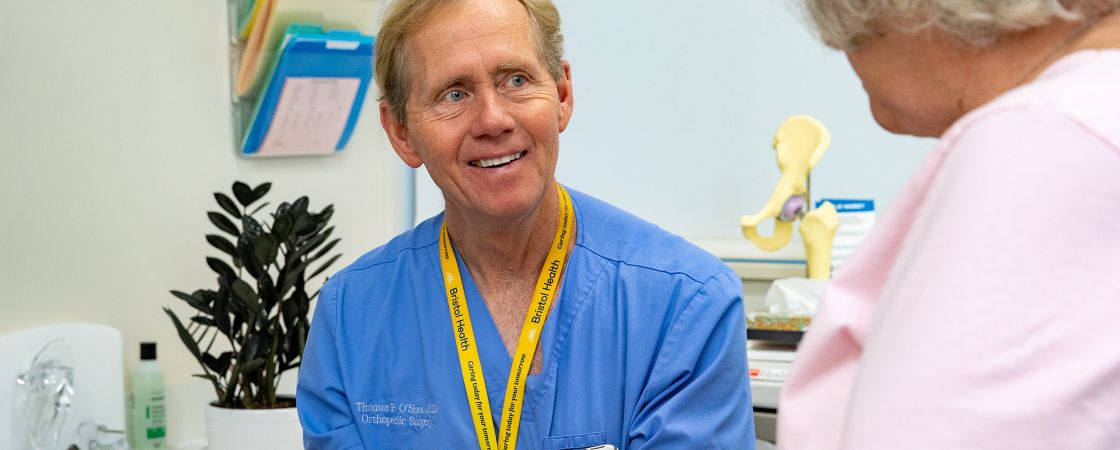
[469,361]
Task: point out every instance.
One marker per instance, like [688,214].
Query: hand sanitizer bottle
[146,402]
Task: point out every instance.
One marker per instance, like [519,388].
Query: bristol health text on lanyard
[469,362]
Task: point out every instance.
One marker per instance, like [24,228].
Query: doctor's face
[483,114]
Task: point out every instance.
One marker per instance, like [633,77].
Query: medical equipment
[800,142]
[90,362]
[43,397]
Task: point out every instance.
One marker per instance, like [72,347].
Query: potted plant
[252,328]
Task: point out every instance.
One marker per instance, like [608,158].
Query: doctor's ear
[564,94]
[398,136]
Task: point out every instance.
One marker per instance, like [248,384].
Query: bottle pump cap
[147,350]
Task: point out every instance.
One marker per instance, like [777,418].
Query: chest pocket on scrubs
[574,441]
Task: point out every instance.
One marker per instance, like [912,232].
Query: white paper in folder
[310,116]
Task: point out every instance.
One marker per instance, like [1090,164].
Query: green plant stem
[250,325]
[270,373]
[247,398]
[231,389]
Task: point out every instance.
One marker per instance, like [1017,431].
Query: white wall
[114,132]
[676,104]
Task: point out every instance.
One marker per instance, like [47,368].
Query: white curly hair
[844,24]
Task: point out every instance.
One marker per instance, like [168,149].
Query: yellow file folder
[273,18]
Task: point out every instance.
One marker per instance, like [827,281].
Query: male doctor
[526,314]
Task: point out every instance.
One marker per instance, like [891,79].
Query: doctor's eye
[455,96]
[517,81]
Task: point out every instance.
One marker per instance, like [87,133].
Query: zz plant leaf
[252,328]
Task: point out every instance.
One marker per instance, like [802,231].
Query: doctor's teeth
[496,161]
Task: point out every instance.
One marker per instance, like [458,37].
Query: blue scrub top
[645,347]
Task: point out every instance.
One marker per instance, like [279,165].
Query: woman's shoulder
[1077,95]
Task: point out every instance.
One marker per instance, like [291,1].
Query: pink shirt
[983,312]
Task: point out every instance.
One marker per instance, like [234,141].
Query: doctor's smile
[497,161]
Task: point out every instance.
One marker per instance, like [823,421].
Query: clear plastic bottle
[146,402]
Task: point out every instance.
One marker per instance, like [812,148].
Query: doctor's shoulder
[621,236]
[372,276]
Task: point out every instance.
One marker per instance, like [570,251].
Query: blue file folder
[308,51]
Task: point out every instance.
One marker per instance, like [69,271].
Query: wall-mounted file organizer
[299,73]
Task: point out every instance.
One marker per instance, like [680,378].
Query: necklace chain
[1068,41]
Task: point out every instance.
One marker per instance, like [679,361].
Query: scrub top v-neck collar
[496,360]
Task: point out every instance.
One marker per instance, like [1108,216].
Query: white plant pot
[253,429]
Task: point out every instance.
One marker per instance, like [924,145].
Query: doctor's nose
[493,117]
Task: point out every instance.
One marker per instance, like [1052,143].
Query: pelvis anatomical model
[800,143]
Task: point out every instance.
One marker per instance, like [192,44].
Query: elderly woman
[982,311]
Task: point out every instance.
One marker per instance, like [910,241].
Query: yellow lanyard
[469,362]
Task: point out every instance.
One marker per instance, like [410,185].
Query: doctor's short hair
[391,62]
[845,24]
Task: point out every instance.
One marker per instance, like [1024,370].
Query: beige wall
[114,132]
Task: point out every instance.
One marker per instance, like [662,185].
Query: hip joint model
[800,142]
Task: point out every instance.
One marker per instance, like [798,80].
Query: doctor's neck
[496,249]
